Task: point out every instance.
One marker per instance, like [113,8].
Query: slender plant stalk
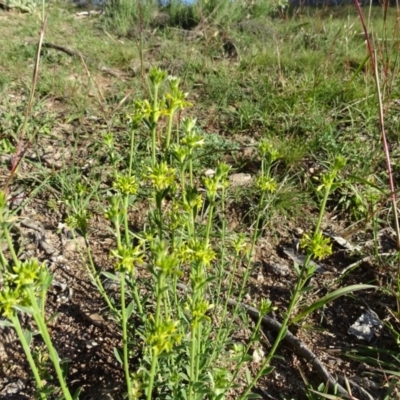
[28,353]
[125,337]
[193,347]
[154,126]
[10,244]
[19,153]
[154,360]
[96,278]
[141,45]
[246,350]
[46,338]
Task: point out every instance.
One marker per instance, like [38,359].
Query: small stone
[240,179]
[279,268]
[72,245]
[366,326]
[209,173]
[258,356]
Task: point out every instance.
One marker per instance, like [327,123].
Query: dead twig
[63,49]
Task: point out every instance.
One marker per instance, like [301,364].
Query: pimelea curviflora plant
[182,335]
[176,276]
[183,326]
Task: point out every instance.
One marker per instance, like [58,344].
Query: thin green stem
[4,263]
[39,319]
[126,226]
[191,170]
[159,214]
[96,278]
[246,351]
[224,332]
[28,353]
[154,359]
[221,271]
[10,244]
[131,153]
[125,337]
[169,131]
[154,126]
[281,333]
[193,346]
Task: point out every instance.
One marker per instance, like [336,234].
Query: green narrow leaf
[248,376]
[360,67]
[52,318]
[368,183]
[330,297]
[28,336]
[267,370]
[77,393]
[110,276]
[5,323]
[129,309]
[253,396]
[26,310]
[118,355]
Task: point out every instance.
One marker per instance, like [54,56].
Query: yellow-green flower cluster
[126,185]
[168,105]
[197,252]
[177,216]
[266,184]
[267,151]
[157,76]
[164,337]
[79,219]
[218,181]
[176,99]
[192,200]
[27,275]
[198,311]
[165,261]
[128,258]
[161,176]
[137,386]
[9,298]
[329,177]
[240,245]
[319,246]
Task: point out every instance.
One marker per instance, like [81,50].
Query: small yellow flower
[266,184]
[319,246]
[27,272]
[162,176]
[164,337]
[126,185]
[127,257]
[201,254]
[240,245]
[198,311]
[9,298]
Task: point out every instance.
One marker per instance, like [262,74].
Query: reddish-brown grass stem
[20,151]
[383,135]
